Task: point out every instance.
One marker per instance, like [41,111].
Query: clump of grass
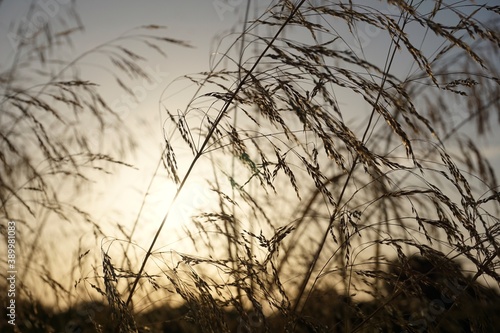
[390,182]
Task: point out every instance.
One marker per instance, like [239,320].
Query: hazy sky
[193,21]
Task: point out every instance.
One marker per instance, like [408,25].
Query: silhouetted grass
[347,196]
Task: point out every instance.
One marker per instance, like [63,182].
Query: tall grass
[347,196]
[53,120]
